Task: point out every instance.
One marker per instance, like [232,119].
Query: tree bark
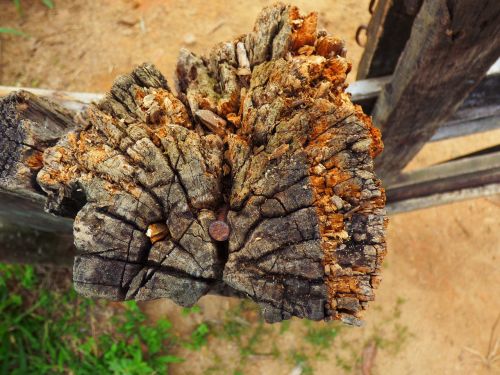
[256,179]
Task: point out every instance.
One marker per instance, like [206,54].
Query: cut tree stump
[256,179]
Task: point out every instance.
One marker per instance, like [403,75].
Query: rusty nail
[371,7]
[219,229]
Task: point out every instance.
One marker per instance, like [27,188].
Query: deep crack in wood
[263,128]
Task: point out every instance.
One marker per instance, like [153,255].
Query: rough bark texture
[261,135]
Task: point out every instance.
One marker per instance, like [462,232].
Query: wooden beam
[158,184]
[480,111]
[459,179]
[452,45]
[28,125]
[432,200]
[19,244]
[387,34]
[31,214]
[73,101]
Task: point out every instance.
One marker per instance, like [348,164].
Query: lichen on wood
[262,131]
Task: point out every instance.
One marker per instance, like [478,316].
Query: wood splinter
[262,123]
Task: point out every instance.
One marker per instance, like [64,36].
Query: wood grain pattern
[451,47]
[387,34]
[261,136]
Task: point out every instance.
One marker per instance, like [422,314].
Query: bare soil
[439,297]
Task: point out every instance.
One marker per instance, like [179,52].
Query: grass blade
[48,3]
[17,4]
[8,30]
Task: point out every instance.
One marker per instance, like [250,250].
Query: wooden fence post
[388,32]
[451,47]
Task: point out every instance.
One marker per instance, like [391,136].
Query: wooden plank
[31,214]
[479,113]
[28,125]
[370,88]
[462,128]
[387,34]
[452,45]
[459,179]
[433,200]
[74,101]
[20,244]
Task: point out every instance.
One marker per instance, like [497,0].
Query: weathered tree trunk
[257,179]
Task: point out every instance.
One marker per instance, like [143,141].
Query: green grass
[50,332]
[8,30]
[302,360]
[199,337]
[322,337]
[17,3]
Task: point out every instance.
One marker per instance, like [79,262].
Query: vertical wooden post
[388,32]
[451,47]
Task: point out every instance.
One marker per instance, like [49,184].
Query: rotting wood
[480,112]
[452,45]
[29,125]
[387,34]
[292,159]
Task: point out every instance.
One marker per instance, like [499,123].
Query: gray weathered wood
[387,34]
[23,211]
[28,125]
[451,47]
[22,244]
[454,180]
[73,101]
[478,113]
[414,204]
[262,129]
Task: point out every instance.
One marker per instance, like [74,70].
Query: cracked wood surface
[29,124]
[261,135]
